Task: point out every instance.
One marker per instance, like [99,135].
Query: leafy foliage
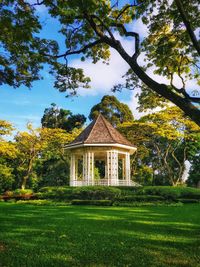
[194,173]
[113,110]
[90,28]
[6,178]
[165,140]
[55,117]
[42,144]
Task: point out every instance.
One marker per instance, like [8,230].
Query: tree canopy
[164,140]
[91,28]
[55,117]
[113,110]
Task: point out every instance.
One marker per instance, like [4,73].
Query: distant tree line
[165,140]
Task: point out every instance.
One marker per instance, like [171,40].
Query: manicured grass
[45,236]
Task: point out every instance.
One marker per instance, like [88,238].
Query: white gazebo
[100,144]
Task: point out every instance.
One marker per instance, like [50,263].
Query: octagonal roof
[101,133]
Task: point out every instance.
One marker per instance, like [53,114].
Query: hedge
[151,194]
[96,193]
[92,202]
[85,192]
[140,198]
[55,193]
[171,193]
[18,194]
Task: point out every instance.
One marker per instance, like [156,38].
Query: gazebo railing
[104,182]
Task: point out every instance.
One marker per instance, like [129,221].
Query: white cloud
[133,104]
[103,76]
[139,27]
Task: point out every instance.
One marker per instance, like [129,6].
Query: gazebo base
[104,182]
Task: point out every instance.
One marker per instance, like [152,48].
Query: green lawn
[99,236]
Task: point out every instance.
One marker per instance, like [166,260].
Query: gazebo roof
[100,133]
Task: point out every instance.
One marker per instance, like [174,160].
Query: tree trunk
[25,178]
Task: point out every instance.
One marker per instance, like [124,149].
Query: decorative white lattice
[112,167]
[88,168]
[72,169]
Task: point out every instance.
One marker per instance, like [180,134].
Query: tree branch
[123,10]
[161,89]
[188,25]
[130,34]
[38,3]
[79,51]
[103,24]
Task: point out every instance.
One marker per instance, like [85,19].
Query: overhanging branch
[79,51]
[130,34]
[124,10]
[188,25]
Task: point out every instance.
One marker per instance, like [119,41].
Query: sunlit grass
[99,236]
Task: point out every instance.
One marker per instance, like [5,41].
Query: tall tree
[91,28]
[8,153]
[165,140]
[35,143]
[113,110]
[55,117]
[194,173]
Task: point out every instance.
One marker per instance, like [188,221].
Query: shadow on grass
[97,236]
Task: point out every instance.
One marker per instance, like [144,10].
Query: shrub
[120,194]
[140,198]
[140,204]
[23,194]
[170,193]
[19,192]
[84,193]
[186,200]
[91,202]
[191,193]
[9,194]
[55,193]
[35,202]
[95,193]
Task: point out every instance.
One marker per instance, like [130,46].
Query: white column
[112,167]
[72,170]
[127,170]
[123,169]
[88,168]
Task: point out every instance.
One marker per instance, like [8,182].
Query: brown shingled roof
[100,131]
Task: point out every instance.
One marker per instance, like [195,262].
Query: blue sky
[24,105]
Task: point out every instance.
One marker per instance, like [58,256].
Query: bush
[140,198]
[56,193]
[96,193]
[18,194]
[151,194]
[186,200]
[170,193]
[35,202]
[91,202]
[85,192]
[140,204]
